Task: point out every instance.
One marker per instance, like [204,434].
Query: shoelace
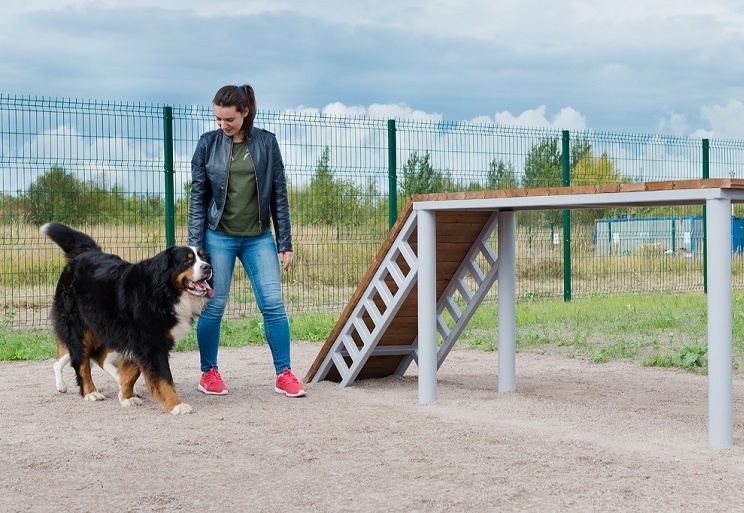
[212,376]
[288,377]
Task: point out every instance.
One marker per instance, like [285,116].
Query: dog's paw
[135,393]
[61,387]
[95,396]
[181,409]
[132,401]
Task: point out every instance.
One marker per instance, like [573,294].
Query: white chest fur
[187,309]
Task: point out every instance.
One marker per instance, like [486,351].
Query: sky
[673,67]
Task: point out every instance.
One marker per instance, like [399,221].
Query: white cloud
[568,119]
[701,133]
[673,124]
[726,121]
[401,110]
[722,122]
[339,109]
[375,110]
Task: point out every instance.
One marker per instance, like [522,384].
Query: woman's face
[229,119]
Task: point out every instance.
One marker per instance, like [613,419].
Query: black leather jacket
[209,173]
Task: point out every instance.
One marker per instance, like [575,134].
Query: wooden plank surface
[708,183]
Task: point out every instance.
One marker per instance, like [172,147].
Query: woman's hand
[286,258]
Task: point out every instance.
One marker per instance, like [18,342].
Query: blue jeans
[258,255]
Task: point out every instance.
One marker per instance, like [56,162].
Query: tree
[329,200]
[581,148]
[55,196]
[419,177]
[102,202]
[591,170]
[544,164]
[501,176]
[542,167]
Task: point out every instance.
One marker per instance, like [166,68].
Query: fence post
[706,174]
[392,175]
[566,161]
[169,175]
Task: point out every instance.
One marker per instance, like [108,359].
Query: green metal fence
[121,172]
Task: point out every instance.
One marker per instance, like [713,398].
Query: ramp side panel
[361,288]
[456,233]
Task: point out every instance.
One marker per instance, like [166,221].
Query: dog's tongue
[203,285]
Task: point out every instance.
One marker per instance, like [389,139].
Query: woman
[238,185]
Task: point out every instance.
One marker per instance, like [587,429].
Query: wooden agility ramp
[376,335]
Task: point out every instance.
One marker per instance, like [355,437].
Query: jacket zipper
[258,189]
[227,178]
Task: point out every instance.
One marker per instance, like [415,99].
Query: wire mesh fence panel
[453,157]
[640,255]
[338,189]
[727,161]
[93,165]
[100,166]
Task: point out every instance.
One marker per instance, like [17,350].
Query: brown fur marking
[90,346]
[128,374]
[162,391]
[61,348]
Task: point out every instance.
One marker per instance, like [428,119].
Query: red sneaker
[286,383]
[211,383]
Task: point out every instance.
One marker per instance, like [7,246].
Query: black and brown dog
[125,317]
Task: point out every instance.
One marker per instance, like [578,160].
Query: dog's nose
[205,266]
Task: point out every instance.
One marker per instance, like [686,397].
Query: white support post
[507,301]
[720,371]
[427,306]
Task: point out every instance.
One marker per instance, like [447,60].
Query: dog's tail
[72,242]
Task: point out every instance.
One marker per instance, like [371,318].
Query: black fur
[127,307]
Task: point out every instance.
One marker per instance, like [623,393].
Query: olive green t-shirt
[240,215]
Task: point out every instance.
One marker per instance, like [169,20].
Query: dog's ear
[161,263]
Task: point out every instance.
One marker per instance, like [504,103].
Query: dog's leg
[109,361]
[58,366]
[160,384]
[90,393]
[63,358]
[165,394]
[128,374]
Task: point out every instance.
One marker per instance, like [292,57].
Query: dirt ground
[575,436]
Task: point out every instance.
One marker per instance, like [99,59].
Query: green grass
[653,330]
[34,345]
